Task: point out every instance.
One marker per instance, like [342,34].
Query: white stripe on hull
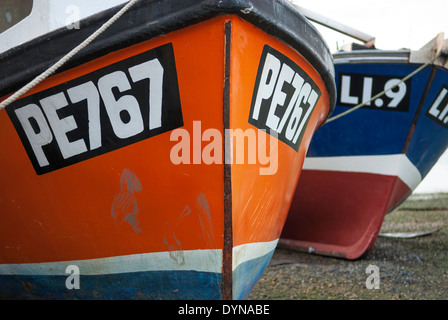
[392,165]
[198,260]
[250,251]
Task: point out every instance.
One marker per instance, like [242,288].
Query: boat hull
[363,165]
[167,211]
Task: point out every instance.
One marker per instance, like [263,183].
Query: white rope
[67,57]
[382,92]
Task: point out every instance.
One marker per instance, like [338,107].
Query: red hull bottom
[340,213]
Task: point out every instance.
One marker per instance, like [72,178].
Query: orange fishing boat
[160,161]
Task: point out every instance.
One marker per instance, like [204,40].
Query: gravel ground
[410,269]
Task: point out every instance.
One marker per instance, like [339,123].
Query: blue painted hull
[154,285]
[384,132]
[248,274]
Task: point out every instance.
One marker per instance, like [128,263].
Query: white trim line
[250,251]
[197,260]
[209,260]
[392,165]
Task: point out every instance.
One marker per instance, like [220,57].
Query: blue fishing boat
[389,128]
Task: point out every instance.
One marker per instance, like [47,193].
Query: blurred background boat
[363,164]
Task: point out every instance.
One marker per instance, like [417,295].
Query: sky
[395,24]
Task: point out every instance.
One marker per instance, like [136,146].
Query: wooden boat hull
[150,203]
[363,165]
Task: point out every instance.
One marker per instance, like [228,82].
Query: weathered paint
[136,224]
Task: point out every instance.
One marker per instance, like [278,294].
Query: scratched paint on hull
[169,285]
[155,213]
[125,206]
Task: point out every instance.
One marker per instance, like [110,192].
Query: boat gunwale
[404,56]
[278,18]
[372,56]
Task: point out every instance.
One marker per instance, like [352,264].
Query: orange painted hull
[177,212]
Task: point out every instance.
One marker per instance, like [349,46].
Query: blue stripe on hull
[167,285]
[246,275]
